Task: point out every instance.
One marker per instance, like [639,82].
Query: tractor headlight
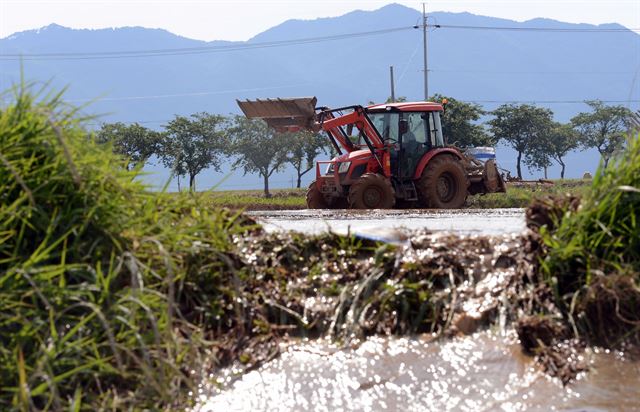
[344,167]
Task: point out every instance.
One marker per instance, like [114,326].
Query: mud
[291,285]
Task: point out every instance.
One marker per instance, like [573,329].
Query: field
[518,195]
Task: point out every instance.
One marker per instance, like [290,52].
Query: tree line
[189,145]
[532,132]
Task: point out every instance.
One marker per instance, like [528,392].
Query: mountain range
[474,58]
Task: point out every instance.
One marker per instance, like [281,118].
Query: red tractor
[391,154]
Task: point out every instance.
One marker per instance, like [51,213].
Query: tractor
[388,155]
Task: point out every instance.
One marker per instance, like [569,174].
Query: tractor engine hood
[355,155]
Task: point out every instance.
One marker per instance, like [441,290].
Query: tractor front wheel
[315,198]
[443,184]
[372,191]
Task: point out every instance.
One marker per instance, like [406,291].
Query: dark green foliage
[304,147]
[520,126]
[459,123]
[552,146]
[603,128]
[259,148]
[193,144]
[133,141]
[562,140]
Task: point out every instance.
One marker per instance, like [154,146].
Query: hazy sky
[242,19]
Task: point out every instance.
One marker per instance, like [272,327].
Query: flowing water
[462,221]
[485,371]
[482,372]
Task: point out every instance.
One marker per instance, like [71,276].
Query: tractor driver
[409,146]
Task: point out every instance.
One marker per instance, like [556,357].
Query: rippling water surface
[461,221]
[482,372]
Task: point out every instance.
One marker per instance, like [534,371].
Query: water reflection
[485,371]
[461,221]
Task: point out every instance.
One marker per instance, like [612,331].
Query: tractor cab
[410,130]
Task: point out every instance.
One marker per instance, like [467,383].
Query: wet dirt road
[461,221]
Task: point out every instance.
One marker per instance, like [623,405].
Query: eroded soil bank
[291,285]
[481,325]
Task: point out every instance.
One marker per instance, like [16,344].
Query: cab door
[414,142]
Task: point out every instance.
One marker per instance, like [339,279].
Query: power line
[547,101]
[194,50]
[122,54]
[464,100]
[191,94]
[536,29]
[529,71]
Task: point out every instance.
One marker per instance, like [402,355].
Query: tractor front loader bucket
[284,115]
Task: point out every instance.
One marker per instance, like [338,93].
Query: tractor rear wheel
[372,191]
[315,198]
[444,184]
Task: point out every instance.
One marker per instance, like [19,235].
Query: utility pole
[393,89]
[424,39]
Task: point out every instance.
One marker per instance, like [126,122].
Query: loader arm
[293,114]
[357,117]
[335,132]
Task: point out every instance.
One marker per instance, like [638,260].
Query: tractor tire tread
[367,180]
[427,184]
[315,198]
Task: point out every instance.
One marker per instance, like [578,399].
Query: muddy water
[482,372]
[463,221]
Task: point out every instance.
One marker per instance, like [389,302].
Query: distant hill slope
[488,66]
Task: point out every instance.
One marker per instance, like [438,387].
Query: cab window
[386,124]
[417,127]
[435,129]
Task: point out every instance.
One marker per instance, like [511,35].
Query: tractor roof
[408,106]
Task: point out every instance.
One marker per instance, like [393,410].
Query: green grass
[282,199]
[523,195]
[593,257]
[109,292]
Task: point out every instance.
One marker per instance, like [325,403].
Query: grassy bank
[518,195]
[588,277]
[592,261]
[105,304]
[281,199]
[523,195]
